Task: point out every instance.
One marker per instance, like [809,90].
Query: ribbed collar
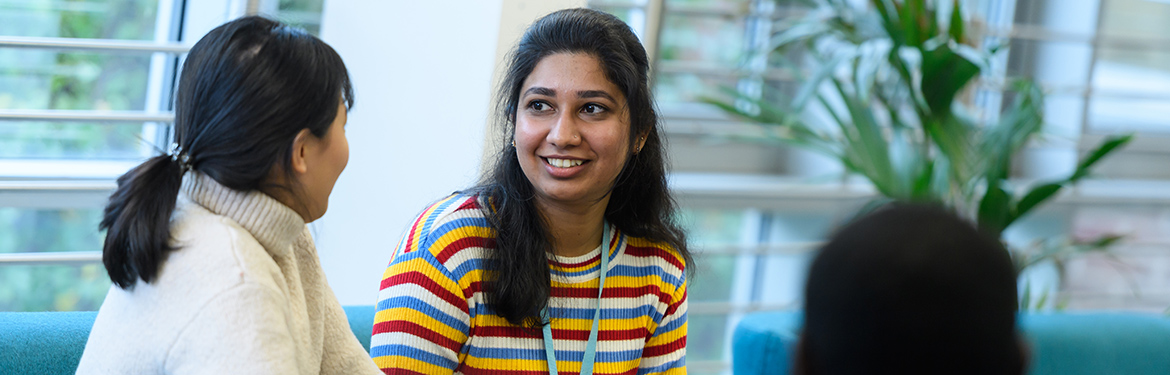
[272,223]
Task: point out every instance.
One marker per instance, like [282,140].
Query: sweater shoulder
[217,253]
[656,258]
[452,230]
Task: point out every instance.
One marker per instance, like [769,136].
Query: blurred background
[85,94]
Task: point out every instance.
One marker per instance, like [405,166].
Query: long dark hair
[246,89]
[640,203]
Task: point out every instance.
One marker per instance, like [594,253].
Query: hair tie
[179,156]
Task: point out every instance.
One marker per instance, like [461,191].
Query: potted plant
[893,83]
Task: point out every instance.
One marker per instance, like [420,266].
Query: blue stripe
[451,225]
[470,265]
[578,273]
[411,352]
[425,308]
[624,313]
[612,256]
[681,362]
[673,325]
[425,256]
[624,270]
[562,355]
[425,230]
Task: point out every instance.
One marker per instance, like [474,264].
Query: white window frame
[761,196]
[87,183]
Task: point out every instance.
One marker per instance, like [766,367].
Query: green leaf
[1035,197]
[1108,146]
[1017,125]
[953,138]
[995,210]
[867,140]
[890,21]
[798,32]
[810,85]
[944,74]
[911,14]
[957,31]
[922,185]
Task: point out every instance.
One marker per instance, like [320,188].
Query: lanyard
[590,347]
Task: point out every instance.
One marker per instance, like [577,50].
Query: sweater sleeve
[343,354]
[243,330]
[666,349]
[422,319]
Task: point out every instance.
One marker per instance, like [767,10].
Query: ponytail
[137,221]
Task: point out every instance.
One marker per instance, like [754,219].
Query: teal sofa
[1061,344]
[50,343]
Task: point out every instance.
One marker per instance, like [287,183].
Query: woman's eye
[539,106]
[592,109]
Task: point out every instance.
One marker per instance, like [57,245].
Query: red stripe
[418,330]
[563,334]
[613,292]
[475,287]
[463,243]
[468,370]
[397,371]
[420,279]
[575,265]
[410,237]
[667,348]
[651,251]
[670,310]
[470,204]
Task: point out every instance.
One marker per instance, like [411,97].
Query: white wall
[421,72]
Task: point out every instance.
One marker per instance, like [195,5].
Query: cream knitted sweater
[243,294]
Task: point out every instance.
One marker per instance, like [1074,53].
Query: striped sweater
[432,315]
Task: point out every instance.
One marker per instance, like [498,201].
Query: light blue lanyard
[590,347]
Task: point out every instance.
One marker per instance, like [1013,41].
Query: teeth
[564,163]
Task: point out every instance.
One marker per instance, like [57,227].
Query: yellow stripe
[497,364]
[404,362]
[456,234]
[509,364]
[424,267]
[417,317]
[664,338]
[422,220]
[486,320]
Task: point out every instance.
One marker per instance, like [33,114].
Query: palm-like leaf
[892,78]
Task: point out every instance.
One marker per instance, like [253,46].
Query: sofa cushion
[50,343]
[1060,343]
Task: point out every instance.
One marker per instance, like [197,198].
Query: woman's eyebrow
[541,91]
[595,94]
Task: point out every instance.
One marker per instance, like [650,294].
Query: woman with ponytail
[214,268]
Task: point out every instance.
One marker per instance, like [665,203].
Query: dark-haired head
[639,203]
[250,92]
[911,289]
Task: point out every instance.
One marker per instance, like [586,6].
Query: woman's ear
[640,143]
[300,150]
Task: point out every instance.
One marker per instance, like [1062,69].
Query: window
[85,95]
[756,211]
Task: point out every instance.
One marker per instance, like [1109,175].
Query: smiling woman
[566,256]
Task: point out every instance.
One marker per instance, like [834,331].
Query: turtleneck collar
[272,223]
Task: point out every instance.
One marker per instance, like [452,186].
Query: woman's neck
[574,230]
